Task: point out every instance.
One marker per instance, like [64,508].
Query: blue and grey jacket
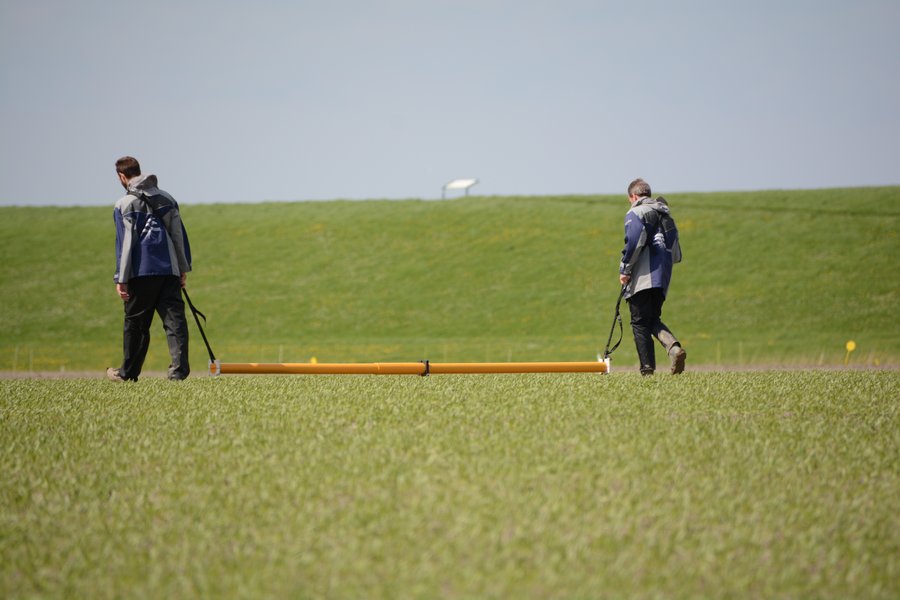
[651,246]
[150,238]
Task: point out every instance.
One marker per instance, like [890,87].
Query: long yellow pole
[521,367]
[403,368]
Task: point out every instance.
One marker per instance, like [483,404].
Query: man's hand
[183,279]
[122,290]
[624,279]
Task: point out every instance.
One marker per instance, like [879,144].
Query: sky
[314,100]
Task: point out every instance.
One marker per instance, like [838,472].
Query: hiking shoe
[678,356]
[113,374]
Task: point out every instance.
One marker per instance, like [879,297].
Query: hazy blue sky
[246,101]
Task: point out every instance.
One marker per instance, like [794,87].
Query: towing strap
[616,318]
[197,315]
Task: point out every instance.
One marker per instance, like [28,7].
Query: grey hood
[145,183]
[658,204]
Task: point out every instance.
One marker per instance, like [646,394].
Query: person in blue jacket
[651,248]
[153,258]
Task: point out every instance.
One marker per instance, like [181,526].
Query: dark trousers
[160,294]
[646,310]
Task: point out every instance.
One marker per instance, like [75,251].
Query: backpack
[665,224]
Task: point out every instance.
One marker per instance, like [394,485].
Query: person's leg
[665,336]
[676,353]
[645,309]
[171,310]
[138,317]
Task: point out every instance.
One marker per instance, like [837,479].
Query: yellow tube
[322,368]
[521,367]
[404,368]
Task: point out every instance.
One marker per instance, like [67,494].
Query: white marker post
[457,184]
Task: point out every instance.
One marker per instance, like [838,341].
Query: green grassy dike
[712,485]
[769,278]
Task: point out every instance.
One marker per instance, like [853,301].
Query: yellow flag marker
[851,346]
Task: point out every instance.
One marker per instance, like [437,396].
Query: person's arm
[178,234]
[124,238]
[635,240]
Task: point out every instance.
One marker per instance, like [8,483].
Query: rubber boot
[677,356]
[645,351]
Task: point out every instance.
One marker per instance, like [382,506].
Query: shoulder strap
[662,220]
[146,199]
[154,207]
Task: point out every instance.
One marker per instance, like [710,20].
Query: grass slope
[713,485]
[780,277]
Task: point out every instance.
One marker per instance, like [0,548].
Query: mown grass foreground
[773,484]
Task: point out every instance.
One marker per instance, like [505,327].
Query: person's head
[638,189]
[127,168]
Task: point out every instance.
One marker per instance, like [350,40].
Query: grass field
[716,483]
[713,485]
[769,278]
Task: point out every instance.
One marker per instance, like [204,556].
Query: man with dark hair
[153,258]
[651,248]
